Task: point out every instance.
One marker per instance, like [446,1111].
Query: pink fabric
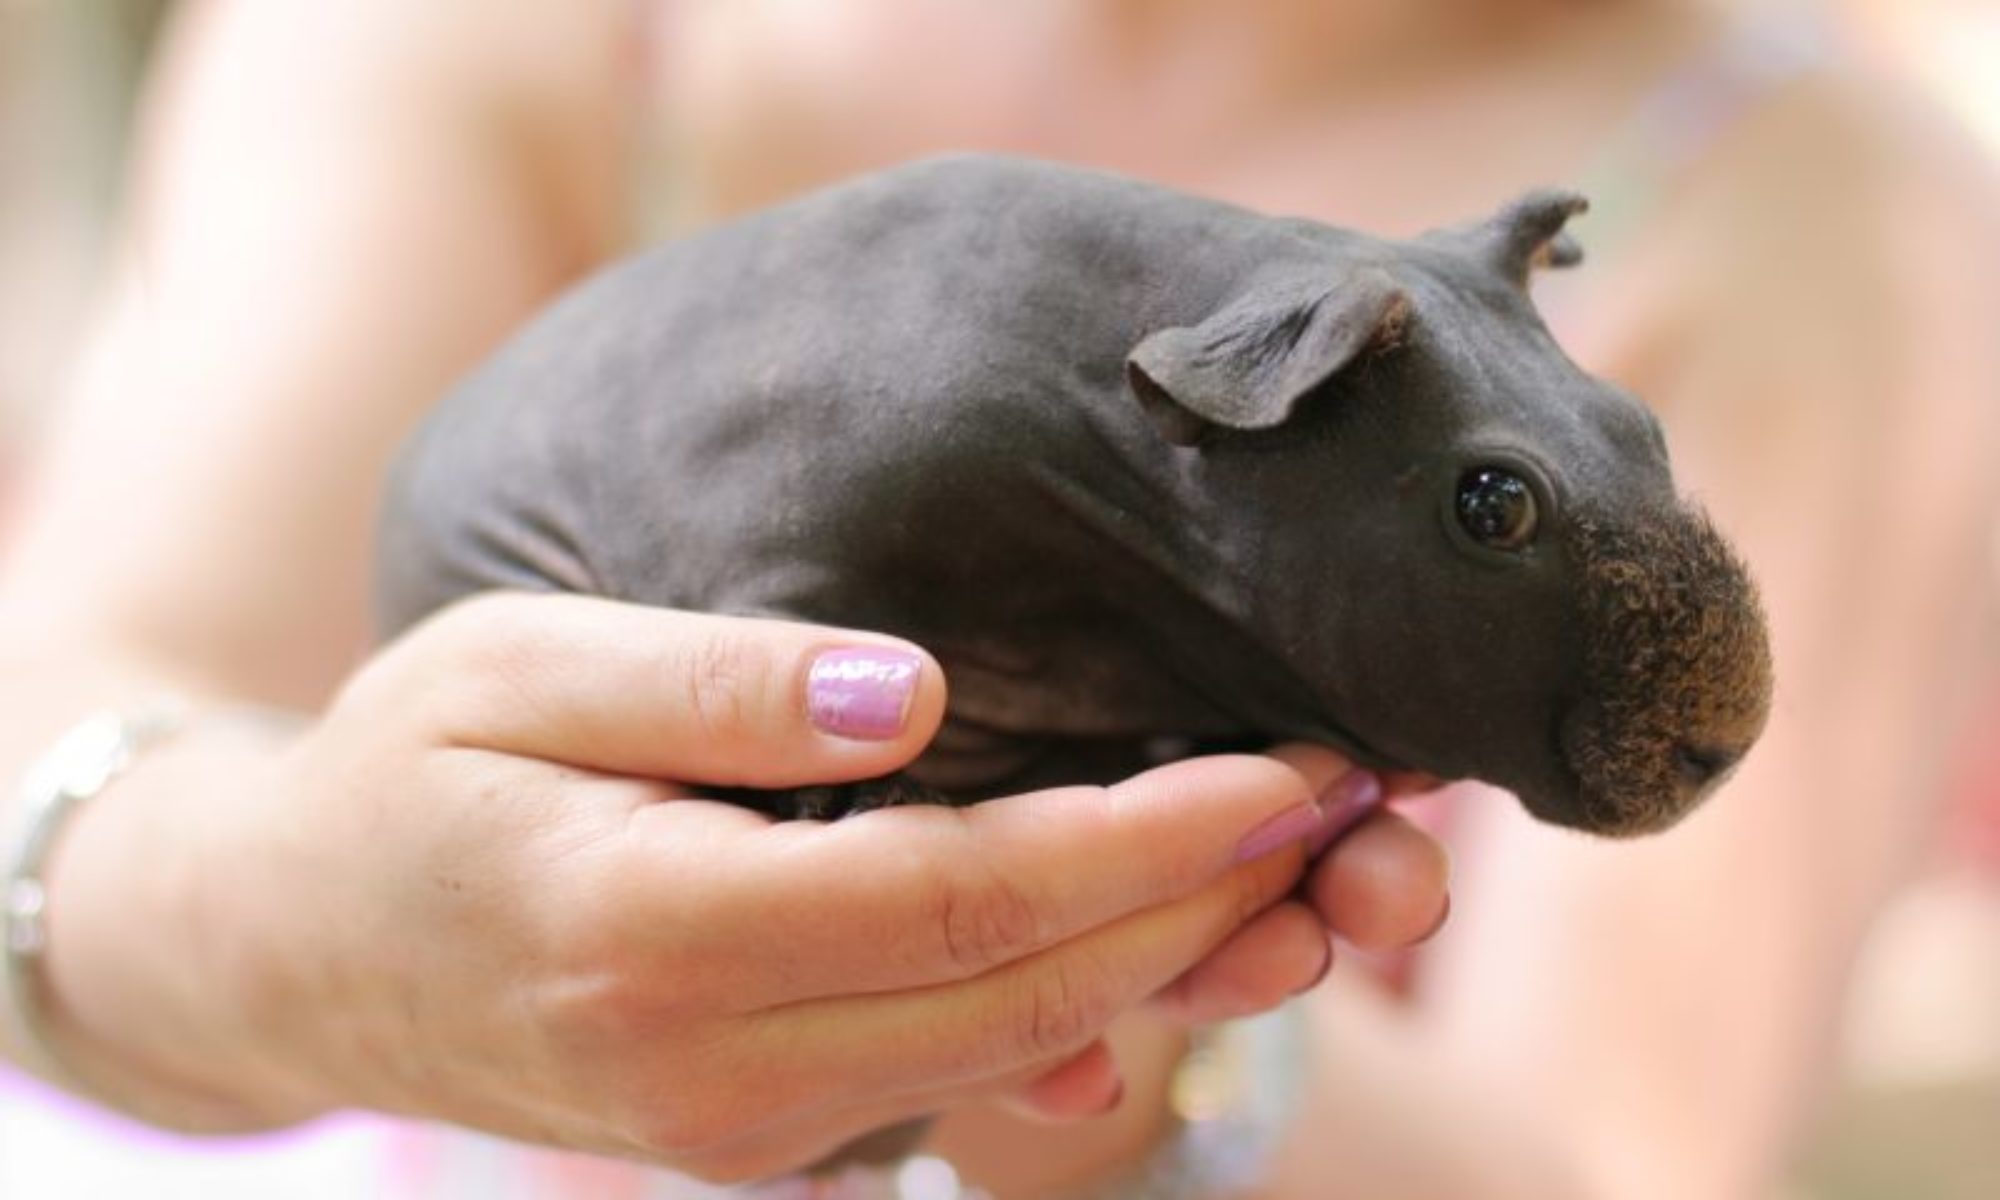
[55,1147]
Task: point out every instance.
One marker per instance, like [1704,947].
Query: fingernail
[862,692]
[1292,825]
[1325,969]
[1344,803]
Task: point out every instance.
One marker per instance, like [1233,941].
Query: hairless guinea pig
[1145,472]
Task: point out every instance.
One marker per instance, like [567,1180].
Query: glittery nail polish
[1349,799]
[1292,825]
[862,692]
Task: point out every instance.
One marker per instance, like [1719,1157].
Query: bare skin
[1634,1021]
[497,797]
[1638,1021]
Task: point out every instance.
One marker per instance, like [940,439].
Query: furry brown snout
[1677,667]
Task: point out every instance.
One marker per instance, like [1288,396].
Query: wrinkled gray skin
[1135,466]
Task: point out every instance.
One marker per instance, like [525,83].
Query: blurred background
[1915,1112]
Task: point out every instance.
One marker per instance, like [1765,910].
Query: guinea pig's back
[639,435]
[698,425]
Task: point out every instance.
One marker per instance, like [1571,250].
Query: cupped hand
[468,896]
[1374,880]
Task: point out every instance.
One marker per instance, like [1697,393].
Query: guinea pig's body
[1136,467]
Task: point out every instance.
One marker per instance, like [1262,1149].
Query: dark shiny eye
[1497,508]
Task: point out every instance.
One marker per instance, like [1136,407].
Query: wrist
[147,985]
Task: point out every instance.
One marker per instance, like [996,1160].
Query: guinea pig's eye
[1497,508]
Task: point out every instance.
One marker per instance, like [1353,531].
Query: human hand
[1374,880]
[464,895]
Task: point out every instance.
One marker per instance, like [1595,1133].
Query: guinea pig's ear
[1249,365]
[1525,235]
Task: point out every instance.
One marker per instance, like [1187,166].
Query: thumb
[691,697]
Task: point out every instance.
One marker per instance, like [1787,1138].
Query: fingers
[1380,881]
[1383,885]
[629,689]
[1088,1084]
[1083,1085]
[1283,952]
[948,894]
[1346,793]
[1044,1007]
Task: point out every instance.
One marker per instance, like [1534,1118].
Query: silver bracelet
[79,766]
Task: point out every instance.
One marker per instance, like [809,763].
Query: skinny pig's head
[1470,553]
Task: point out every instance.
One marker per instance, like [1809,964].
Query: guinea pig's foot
[829,801]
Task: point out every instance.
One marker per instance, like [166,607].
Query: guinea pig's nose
[1700,766]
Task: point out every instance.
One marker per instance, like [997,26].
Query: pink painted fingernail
[1344,803]
[1292,825]
[862,692]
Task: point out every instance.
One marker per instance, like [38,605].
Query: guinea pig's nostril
[1699,766]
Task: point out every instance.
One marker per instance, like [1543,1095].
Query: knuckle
[481,655]
[436,648]
[985,923]
[1250,891]
[600,998]
[481,628]
[1063,1010]
[723,681]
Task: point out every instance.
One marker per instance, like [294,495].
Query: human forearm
[333,213]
